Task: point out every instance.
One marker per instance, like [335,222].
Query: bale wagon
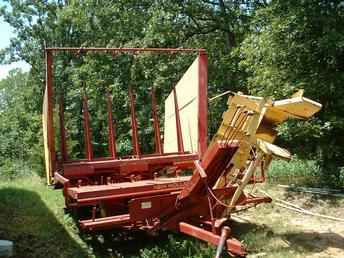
[156,191]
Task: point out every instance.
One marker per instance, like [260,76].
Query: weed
[296,171]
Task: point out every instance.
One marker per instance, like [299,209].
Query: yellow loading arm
[256,134]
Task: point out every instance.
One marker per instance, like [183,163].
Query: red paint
[77,50]
[156,125]
[150,163]
[104,223]
[233,245]
[203,104]
[87,129]
[131,190]
[135,140]
[111,130]
[178,125]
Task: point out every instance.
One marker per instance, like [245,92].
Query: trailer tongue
[149,191]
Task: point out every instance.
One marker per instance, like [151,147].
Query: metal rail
[125,50]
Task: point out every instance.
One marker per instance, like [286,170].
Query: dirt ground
[273,231]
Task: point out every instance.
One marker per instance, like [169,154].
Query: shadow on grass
[315,241]
[257,238]
[34,229]
[312,199]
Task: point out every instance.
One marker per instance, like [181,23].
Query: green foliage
[20,127]
[297,172]
[217,26]
[178,246]
[262,48]
[299,44]
[31,217]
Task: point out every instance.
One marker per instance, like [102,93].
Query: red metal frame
[234,246]
[79,50]
[112,135]
[203,104]
[178,126]
[156,125]
[87,129]
[112,138]
[146,191]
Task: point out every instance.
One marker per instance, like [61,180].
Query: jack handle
[224,235]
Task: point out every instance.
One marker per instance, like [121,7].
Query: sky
[6,33]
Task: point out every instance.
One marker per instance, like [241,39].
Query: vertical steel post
[156,125]
[87,130]
[178,126]
[50,118]
[135,141]
[63,143]
[111,132]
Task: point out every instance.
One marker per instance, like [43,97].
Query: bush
[12,169]
[296,171]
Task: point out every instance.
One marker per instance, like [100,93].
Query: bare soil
[279,232]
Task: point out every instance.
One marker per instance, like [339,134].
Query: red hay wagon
[149,191]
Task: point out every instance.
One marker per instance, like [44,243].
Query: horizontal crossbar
[103,223]
[233,245]
[125,50]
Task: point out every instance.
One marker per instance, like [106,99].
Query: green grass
[296,171]
[32,215]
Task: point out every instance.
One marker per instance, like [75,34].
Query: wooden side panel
[192,102]
[170,131]
[298,107]
[274,150]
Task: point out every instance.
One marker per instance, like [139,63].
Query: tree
[20,125]
[299,44]
[217,26]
